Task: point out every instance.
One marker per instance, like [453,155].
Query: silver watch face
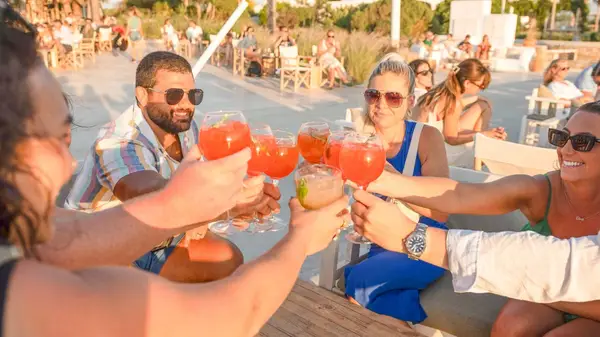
[415,244]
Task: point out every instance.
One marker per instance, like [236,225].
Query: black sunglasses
[581,142]
[175,95]
[425,72]
[393,99]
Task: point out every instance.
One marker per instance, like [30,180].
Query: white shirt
[564,90]
[525,265]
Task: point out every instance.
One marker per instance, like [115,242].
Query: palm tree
[272,20]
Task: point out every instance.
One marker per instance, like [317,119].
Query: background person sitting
[588,81]
[249,45]
[554,80]
[466,46]
[329,53]
[283,40]
[194,33]
[423,77]
[483,50]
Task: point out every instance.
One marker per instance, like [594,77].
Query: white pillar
[503,6]
[395,23]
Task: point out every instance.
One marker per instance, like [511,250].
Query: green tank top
[134,23]
[542,227]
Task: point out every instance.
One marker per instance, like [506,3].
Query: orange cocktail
[224,139]
[333,148]
[362,160]
[283,162]
[223,133]
[263,146]
[312,138]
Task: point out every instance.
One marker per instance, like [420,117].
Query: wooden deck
[313,311]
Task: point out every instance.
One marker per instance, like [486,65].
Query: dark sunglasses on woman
[175,95]
[581,142]
[425,72]
[393,99]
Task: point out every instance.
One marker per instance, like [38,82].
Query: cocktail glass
[362,160]
[283,162]
[222,134]
[312,138]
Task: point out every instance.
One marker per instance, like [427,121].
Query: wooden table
[313,311]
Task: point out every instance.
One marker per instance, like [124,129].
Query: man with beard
[137,153]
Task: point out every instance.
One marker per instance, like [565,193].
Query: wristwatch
[416,242]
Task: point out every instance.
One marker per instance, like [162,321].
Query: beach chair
[464,315]
[506,158]
[543,113]
[292,70]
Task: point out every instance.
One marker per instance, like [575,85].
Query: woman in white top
[554,79]
[169,36]
[329,53]
[443,108]
[423,77]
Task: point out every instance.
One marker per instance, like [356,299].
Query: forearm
[260,287]
[428,212]
[462,137]
[589,310]
[525,265]
[115,236]
[424,193]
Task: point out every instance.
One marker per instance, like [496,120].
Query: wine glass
[362,160]
[263,144]
[283,162]
[222,134]
[312,138]
[333,147]
[318,185]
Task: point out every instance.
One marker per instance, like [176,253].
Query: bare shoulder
[109,301]
[431,140]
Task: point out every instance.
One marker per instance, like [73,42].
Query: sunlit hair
[18,57]
[591,107]
[454,85]
[395,64]
[551,71]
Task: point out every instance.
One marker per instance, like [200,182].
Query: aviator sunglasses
[175,95]
[581,142]
[393,99]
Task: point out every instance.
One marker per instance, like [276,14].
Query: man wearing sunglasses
[138,152]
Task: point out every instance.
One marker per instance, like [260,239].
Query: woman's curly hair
[18,57]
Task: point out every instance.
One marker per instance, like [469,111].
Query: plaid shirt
[124,146]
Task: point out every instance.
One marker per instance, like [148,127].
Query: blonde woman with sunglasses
[388,282]
[563,204]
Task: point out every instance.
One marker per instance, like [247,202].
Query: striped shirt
[124,146]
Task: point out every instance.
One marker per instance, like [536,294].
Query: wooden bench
[313,311]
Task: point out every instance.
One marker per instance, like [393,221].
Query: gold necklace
[577,217]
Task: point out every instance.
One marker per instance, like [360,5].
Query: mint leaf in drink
[221,121]
[302,190]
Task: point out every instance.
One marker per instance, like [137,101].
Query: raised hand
[381,222]
[320,226]
[201,191]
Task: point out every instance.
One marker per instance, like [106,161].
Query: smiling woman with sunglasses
[414,149]
[443,107]
[563,203]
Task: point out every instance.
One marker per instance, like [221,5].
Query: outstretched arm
[127,302]
[511,264]
[452,197]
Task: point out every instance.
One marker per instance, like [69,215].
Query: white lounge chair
[506,158]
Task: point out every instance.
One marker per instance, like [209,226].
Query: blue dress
[389,283]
